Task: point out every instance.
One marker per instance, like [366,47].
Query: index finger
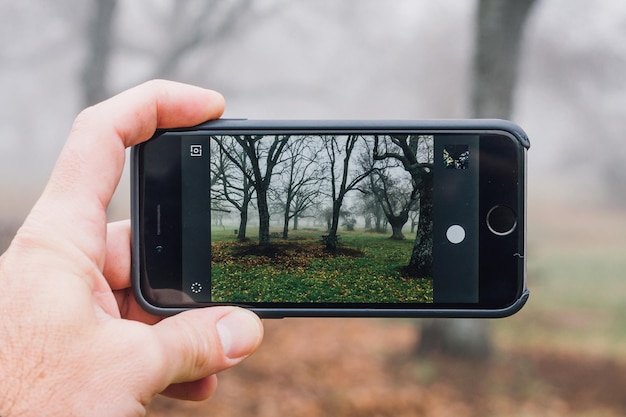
[93,158]
[91,163]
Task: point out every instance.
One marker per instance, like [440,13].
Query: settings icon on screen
[195,150]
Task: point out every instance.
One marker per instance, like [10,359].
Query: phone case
[226,126]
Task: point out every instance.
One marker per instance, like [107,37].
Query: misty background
[308,60]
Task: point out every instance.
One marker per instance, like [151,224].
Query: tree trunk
[96,67]
[243,223]
[456,337]
[264,217]
[332,240]
[286,225]
[421,263]
[295,222]
[499,29]
[397,223]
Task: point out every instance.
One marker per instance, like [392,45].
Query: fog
[307,60]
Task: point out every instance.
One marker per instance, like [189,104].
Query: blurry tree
[187,26]
[499,31]
[191,25]
[99,45]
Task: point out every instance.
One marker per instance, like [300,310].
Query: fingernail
[240,333]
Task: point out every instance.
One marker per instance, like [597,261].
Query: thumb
[202,342]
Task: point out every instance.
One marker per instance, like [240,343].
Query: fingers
[92,160]
[199,343]
[117,259]
[193,391]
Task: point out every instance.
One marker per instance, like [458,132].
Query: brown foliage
[291,253]
[365,367]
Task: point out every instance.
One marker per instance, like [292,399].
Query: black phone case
[226,126]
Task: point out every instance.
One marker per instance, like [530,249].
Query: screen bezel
[498,297]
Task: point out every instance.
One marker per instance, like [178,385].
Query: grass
[365,269]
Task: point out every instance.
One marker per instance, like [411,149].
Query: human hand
[73,340]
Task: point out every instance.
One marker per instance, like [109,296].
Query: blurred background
[556,67]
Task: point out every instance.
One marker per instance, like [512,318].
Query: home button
[501,220]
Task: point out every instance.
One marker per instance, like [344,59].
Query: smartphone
[332,218]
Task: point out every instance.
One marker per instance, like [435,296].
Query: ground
[564,354]
[361,367]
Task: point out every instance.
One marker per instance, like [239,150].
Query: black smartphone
[332,218]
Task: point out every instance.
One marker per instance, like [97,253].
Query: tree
[396,196]
[499,30]
[340,150]
[230,181]
[264,154]
[191,24]
[414,152]
[99,41]
[370,209]
[299,180]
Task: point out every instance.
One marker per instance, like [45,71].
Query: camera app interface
[331,219]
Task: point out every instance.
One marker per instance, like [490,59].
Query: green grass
[309,274]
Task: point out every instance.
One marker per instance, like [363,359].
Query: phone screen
[332,220]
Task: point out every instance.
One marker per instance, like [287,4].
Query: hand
[73,340]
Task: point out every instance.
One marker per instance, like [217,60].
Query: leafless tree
[341,155]
[188,26]
[264,154]
[414,152]
[395,192]
[99,46]
[230,181]
[299,181]
[499,31]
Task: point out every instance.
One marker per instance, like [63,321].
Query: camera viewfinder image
[456,156]
[312,218]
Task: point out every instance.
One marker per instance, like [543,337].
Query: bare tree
[230,181]
[340,150]
[188,26]
[193,24]
[395,203]
[499,30]
[414,152]
[372,213]
[396,193]
[99,46]
[264,154]
[300,180]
